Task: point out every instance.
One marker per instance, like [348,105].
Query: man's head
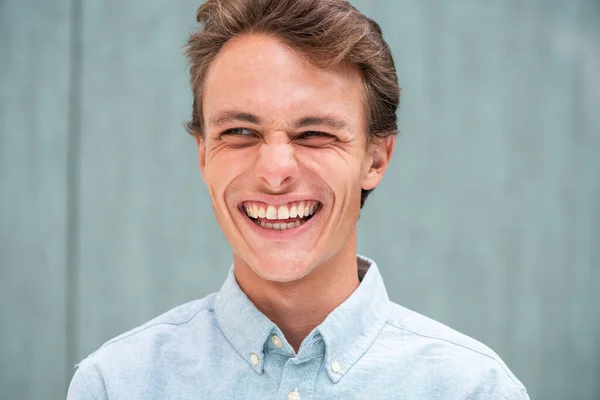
[294,113]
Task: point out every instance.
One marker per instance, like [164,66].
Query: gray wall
[489,219]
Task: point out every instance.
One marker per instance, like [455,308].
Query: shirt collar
[244,326]
[347,332]
[350,329]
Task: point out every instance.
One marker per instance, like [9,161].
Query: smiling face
[285,156]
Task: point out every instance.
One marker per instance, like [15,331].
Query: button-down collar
[244,326]
[345,334]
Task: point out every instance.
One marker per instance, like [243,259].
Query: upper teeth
[291,210]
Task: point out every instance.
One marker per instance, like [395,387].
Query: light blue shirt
[223,347]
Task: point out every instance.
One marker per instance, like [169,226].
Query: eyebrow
[228,116]
[327,120]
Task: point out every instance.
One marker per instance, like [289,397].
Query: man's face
[284,156]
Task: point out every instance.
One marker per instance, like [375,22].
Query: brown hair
[325,32]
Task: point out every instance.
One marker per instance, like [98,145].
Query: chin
[281,269]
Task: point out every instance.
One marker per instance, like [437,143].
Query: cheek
[338,167]
[224,166]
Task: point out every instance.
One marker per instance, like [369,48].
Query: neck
[300,306]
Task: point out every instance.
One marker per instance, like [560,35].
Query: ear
[379,153]
[201,153]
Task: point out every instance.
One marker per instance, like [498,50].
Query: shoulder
[160,329]
[144,347]
[408,323]
[451,357]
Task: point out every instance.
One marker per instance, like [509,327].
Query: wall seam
[73,184]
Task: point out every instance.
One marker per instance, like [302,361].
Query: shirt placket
[299,378]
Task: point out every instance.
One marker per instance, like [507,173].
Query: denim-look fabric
[223,347]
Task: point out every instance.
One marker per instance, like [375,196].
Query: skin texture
[256,93]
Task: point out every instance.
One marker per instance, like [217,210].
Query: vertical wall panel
[34,88]
[492,200]
[148,235]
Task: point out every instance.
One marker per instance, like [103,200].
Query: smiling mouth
[281,217]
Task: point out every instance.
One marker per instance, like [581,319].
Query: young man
[295,120]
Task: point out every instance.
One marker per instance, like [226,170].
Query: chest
[222,373]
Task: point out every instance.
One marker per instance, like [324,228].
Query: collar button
[336,367]
[276,341]
[294,395]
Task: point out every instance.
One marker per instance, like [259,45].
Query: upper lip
[277,200]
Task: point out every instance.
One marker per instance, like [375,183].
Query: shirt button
[276,341]
[336,367]
[293,395]
[254,359]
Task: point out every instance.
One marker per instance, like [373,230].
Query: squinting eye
[239,137]
[312,134]
[315,139]
[238,132]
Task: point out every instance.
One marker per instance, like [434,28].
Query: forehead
[259,74]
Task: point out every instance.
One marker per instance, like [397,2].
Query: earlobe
[381,150]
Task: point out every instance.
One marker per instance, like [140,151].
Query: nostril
[277,166]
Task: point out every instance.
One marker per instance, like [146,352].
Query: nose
[277,166]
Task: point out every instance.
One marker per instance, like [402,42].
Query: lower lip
[274,234]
